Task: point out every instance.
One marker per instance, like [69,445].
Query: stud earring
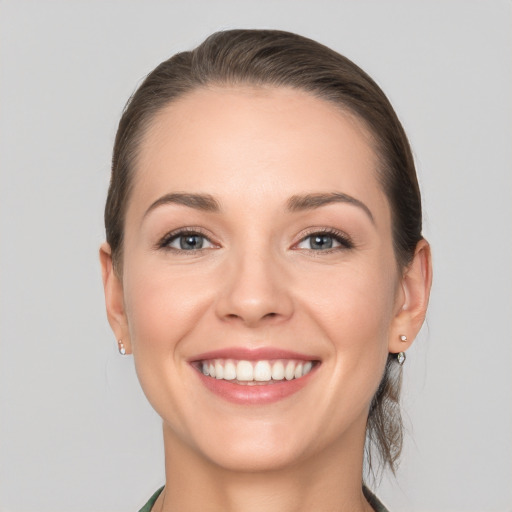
[400,357]
[122,350]
[403,337]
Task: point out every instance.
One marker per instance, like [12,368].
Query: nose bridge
[254,287]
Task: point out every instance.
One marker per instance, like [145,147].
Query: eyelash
[174,235]
[340,237]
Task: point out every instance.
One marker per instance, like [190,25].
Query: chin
[253,457]
[258,443]
[237,444]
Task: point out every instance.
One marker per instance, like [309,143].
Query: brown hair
[277,58]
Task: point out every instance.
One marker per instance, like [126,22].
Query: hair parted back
[283,59]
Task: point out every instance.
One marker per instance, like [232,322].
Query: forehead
[254,111]
[263,140]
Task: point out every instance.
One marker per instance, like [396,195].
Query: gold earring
[122,350]
[400,357]
[403,337]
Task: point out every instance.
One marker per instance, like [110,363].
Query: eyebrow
[311,201]
[204,202]
[208,203]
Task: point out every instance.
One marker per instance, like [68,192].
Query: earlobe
[416,283]
[114,300]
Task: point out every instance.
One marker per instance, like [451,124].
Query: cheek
[162,306]
[354,309]
[359,300]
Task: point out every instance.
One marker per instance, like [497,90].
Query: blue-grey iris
[191,242]
[321,242]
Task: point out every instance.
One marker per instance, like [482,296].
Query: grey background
[75,431]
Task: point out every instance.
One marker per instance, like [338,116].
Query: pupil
[321,242]
[191,242]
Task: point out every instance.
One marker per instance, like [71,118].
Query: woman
[265,265]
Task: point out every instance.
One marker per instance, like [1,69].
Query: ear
[114,300]
[413,299]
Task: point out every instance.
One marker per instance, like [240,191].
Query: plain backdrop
[76,433]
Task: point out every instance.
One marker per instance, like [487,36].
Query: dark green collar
[373,500]
[149,505]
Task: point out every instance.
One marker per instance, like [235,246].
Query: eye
[186,241]
[324,241]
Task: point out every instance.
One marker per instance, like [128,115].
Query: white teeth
[256,371]
[289,373]
[262,371]
[219,370]
[244,371]
[278,371]
[229,371]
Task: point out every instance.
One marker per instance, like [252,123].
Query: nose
[255,291]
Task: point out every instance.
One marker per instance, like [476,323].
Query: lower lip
[259,394]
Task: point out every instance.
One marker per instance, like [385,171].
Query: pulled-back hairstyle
[282,59]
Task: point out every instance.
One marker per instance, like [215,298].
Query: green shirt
[372,500]
[149,505]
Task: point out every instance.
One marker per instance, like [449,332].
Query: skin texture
[258,283]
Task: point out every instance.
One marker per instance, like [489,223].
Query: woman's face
[258,246]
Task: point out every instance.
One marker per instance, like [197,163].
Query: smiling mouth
[252,373]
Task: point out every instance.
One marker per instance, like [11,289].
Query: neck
[332,480]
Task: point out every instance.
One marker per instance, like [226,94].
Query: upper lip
[252,354]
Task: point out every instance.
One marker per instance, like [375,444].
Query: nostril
[267,316]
